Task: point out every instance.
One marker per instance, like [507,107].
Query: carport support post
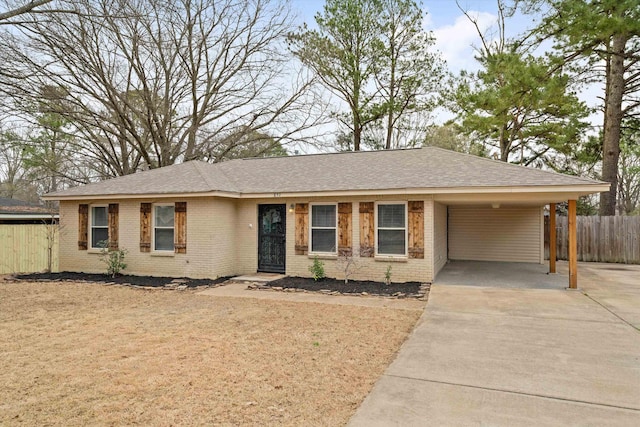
[573,247]
[552,237]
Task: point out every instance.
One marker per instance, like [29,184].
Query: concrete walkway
[510,357]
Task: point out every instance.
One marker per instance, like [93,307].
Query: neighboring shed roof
[422,168]
[14,211]
[18,207]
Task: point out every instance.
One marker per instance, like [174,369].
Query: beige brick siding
[222,240]
[440,237]
[369,268]
[247,235]
[211,226]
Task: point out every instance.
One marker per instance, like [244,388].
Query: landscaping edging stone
[137,282]
[421,294]
[182,284]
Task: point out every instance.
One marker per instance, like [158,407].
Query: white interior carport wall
[507,234]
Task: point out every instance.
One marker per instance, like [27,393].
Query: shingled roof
[402,170]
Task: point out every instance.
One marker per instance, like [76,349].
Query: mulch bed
[125,279]
[352,287]
[327,285]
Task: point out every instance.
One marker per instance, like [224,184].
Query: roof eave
[581,189]
[176,195]
[577,189]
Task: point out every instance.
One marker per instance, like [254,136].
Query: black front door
[271,238]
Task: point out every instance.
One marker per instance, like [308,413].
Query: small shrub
[114,259]
[317,269]
[387,275]
[348,264]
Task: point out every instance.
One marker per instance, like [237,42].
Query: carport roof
[399,171]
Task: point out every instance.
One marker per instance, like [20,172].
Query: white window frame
[91,226]
[153,228]
[406,228]
[311,228]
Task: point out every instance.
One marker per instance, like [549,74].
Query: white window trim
[311,227]
[90,243]
[153,229]
[406,228]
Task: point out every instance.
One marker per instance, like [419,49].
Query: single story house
[414,209]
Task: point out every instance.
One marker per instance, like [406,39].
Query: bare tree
[52,231]
[348,264]
[150,83]
[12,10]
[11,164]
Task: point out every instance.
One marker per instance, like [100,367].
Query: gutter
[29,216]
[581,189]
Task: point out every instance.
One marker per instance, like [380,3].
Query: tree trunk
[612,124]
[504,144]
[355,111]
[357,134]
[389,130]
[392,93]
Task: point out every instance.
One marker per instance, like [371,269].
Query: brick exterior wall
[297,265]
[210,239]
[222,240]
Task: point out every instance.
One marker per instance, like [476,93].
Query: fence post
[573,247]
[552,237]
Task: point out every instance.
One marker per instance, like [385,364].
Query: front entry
[272,238]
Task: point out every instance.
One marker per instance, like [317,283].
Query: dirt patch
[352,287]
[143,281]
[72,354]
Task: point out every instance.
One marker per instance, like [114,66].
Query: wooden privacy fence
[24,248]
[600,239]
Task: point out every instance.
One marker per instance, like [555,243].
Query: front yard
[80,354]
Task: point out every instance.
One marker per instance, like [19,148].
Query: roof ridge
[495,161]
[197,165]
[117,178]
[200,164]
[327,154]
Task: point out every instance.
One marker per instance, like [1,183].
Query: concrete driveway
[509,357]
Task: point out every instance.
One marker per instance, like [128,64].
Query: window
[99,227]
[163,227]
[323,228]
[392,229]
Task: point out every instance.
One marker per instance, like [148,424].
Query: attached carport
[478,233]
[516,275]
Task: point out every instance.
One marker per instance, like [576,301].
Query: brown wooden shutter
[113,226]
[344,229]
[302,228]
[83,227]
[367,229]
[416,229]
[180,224]
[145,227]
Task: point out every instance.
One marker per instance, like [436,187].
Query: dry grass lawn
[88,354]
